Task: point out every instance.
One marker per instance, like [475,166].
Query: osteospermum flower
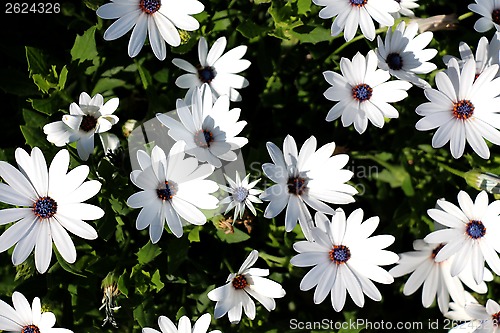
[483,319]
[487,54]
[362,92]
[209,129]
[158,19]
[219,71]
[174,189]
[184,326]
[457,311]
[53,206]
[349,14]
[89,117]
[490,12]
[472,234]
[403,54]
[248,281]
[241,194]
[345,259]
[23,318]
[307,177]
[434,276]
[463,108]
[406,7]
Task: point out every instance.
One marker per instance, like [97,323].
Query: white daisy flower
[472,234]
[463,109]
[307,177]
[435,276]
[406,7]
[167,326]
[349,14]
[457,311]
[23,318]
[490,12]
[158,19]
[484,319]
[217,70]
[345,259]
[53,200]
[487,54]
[88,117]
[403,54]
[248,281]
[174,189]
[362,92]
[209,129]
[241,194]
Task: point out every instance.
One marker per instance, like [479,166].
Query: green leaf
[194,235]
[84,47]
[146,78]
[147,253]
[42,83]
[122,287]
[34,119]
[34,137]
[63,76]
[49,105]
[156,280]
[106,84]
[68,268]
[303,6]
[310,34]
[237,237]
[37,62]
[250,30]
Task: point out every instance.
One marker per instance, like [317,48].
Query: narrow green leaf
[63,76]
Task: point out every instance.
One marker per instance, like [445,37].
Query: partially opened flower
[209,129]
[241,194]
[463,108]
[23,318]
[53,206]
[349,14]
[167,326]
[218,70]
[403,53]
[483,319]
[174,189]
[457,311]
[472,234]
[89,117]
[406,7]
[487,54]
[490,12]
[309,177]
[435,276]
[345,259]
[156,19]
[248,281]
[362,93]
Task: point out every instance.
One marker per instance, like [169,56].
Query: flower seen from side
[174,189]
[218,70]
[463,108]
[472,234]
[406,7]
[23,318]
[234,296]
[482,319]
[156,19]
[349,14]
[363,93]
[167,326]
[89,117]
[241,194]
[307,177]
[209,129]
[52,204]
[345,259]
[403,54]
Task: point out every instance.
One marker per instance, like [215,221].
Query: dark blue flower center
[203,138]
[240,194]
[340,254]
[358,3]
[150,6]
[45,207]
[166,193]
[463,109]
[88,123]
[206,74]
[30,329]
[362,92]
[475,229]
[394,61]
[495,16]
[239,282]
[296,185]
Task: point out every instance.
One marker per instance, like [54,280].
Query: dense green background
[48,59]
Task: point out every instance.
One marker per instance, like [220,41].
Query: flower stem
[451,170]
[464,16]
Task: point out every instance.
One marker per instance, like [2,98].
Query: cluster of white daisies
[176,187]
